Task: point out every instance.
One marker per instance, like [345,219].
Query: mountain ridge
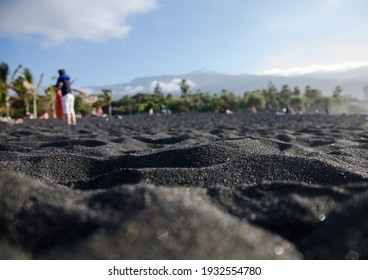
[354,82]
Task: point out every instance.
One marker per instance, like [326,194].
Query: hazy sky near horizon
[102,42]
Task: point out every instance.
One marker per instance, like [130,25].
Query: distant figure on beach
[96,113]
[327,111]
[226,111]
[10,120]
[289,110]
[30,116]
[45,116]
[166,111]
[63,84]
[58,104]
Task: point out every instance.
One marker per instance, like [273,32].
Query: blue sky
[103,42]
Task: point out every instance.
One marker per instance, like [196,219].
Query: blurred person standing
[63,84]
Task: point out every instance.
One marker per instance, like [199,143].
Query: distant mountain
[353,82]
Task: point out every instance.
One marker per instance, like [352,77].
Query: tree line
[30,98]
[268,99]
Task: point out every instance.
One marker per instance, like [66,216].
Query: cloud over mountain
[316,68]
[56,22]
[172,85]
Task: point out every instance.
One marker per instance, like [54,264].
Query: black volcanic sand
[185,186]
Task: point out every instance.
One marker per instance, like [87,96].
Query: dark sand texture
[185,186]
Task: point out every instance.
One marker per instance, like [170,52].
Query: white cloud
[172,86]
[55,22]
[132,90]
[315,68]
[334,52]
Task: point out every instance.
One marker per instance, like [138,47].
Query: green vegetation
[269,99]
[30,98]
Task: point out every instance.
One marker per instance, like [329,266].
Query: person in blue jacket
[63,84]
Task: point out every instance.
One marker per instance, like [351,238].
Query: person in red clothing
[59,104]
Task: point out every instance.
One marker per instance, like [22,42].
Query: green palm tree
[185,87]
[28,84]
[50,94]
[6,83]
[22,92]
[107,99]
